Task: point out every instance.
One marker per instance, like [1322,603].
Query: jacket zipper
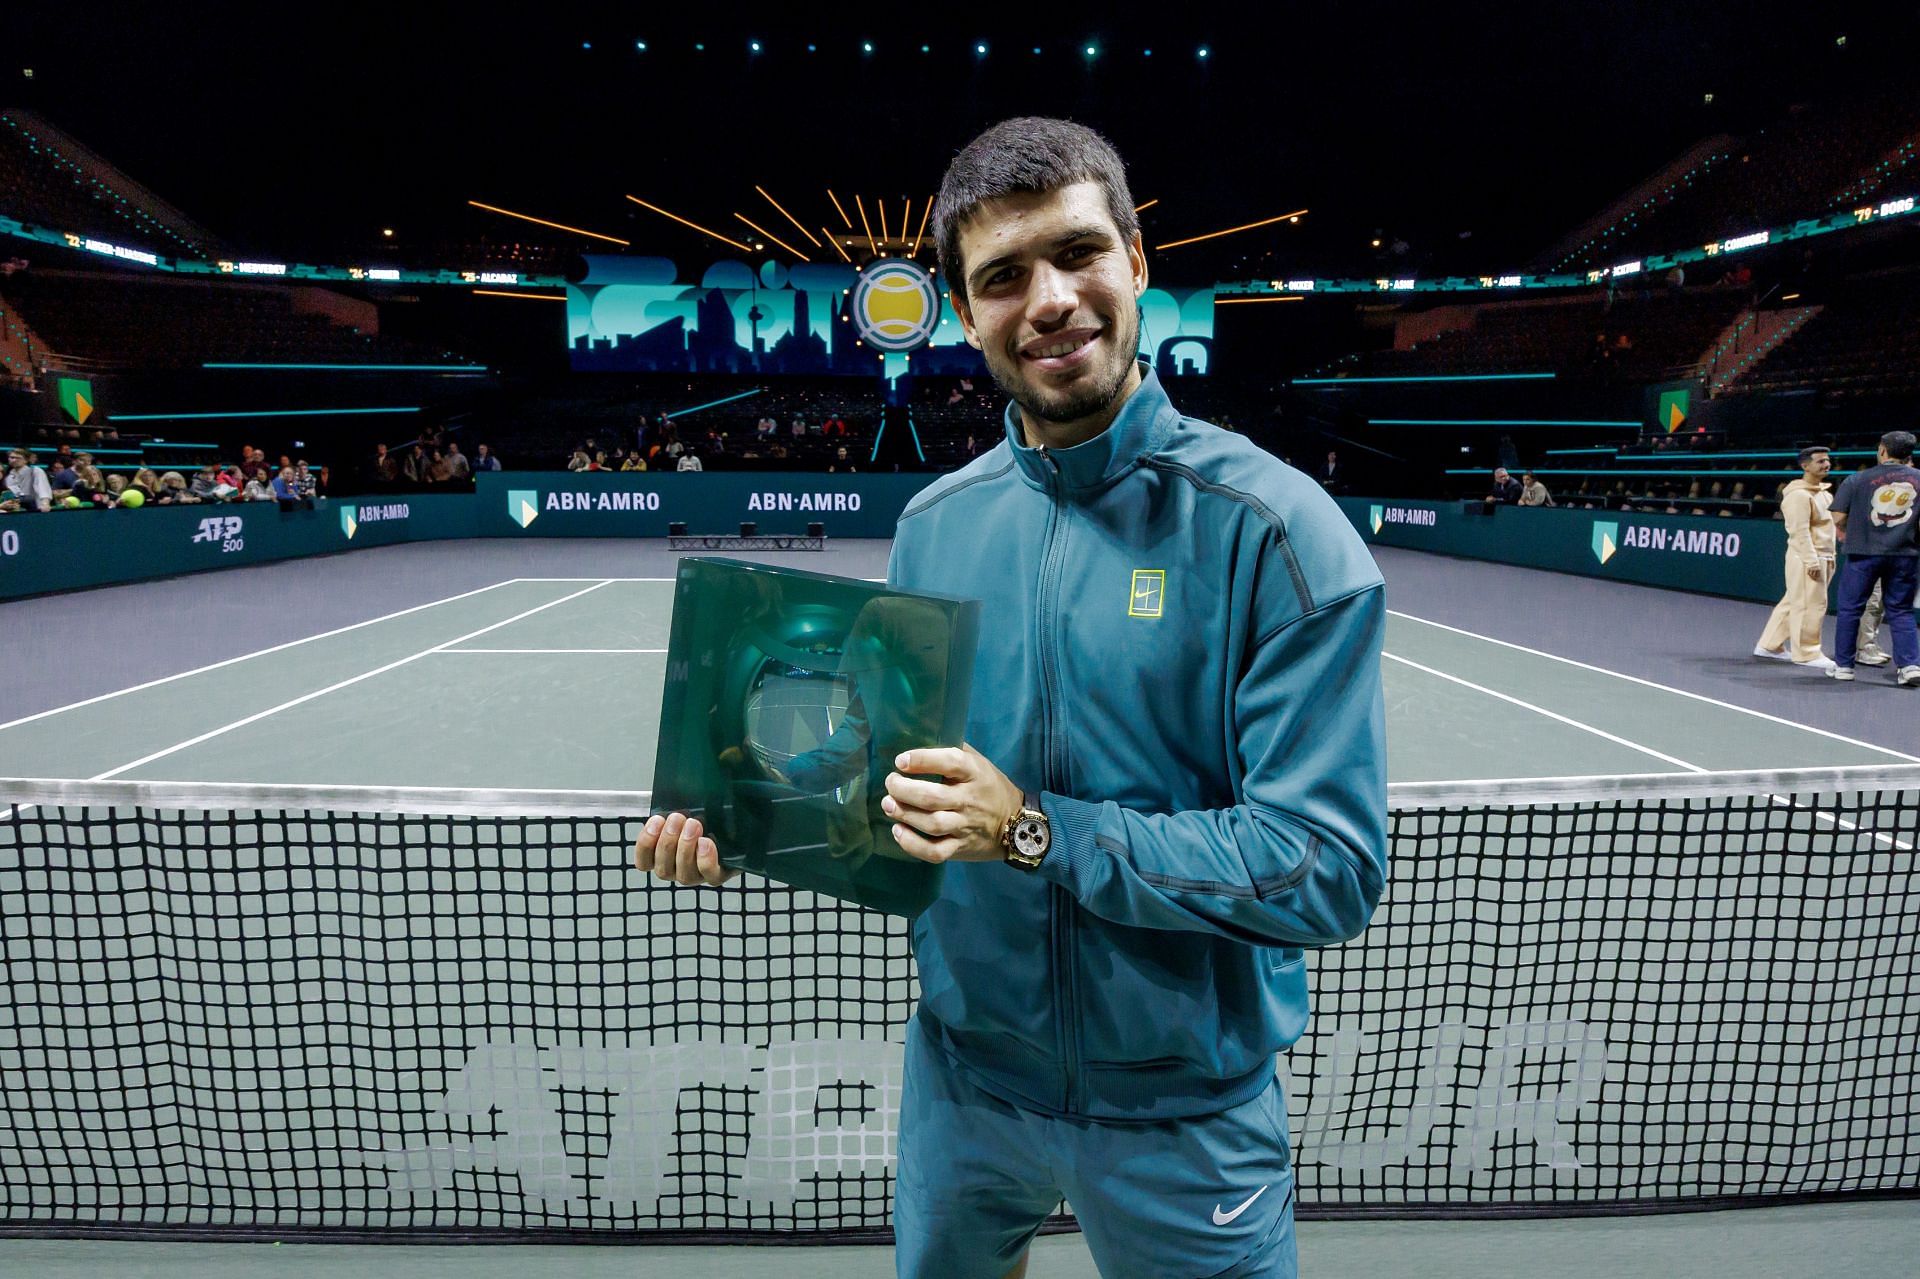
[1060,904]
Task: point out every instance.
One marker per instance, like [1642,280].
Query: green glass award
[788,695]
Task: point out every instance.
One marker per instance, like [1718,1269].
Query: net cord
[25,792]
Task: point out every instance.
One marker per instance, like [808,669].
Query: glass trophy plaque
[788,695]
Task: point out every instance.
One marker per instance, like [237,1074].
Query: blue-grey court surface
[538,665]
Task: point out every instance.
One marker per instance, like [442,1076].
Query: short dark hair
[1029,153]
[1898,444]
[1810,450]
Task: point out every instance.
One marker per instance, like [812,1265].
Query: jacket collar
[1136,432]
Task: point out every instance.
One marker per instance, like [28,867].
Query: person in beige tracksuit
[1793,632]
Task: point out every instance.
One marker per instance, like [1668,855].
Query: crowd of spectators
[435,460]
[70,479]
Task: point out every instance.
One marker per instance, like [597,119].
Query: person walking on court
[1174,783]
[1793,631]
[1874,515]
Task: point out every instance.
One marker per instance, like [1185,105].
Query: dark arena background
[319,930]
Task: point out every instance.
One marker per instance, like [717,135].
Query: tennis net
[341,1012]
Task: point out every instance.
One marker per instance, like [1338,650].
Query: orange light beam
[836,206]
[836,245]
[1292,297]
[1214,235]
[923,227]
[771,236]
[544,297]
[695,225]
[882,206]
[906,215]
[860,205]
[543,222]
[1141,208]
[789,217]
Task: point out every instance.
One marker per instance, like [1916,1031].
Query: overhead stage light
[640,46]
[754,45]
[1205,52]
[980,49]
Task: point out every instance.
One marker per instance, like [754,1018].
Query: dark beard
[1082,404]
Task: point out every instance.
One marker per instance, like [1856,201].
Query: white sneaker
[1777,654]
[1820,663]
[1839,672]
[1909,677]
[1871,656]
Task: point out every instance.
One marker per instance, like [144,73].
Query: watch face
[1030,837]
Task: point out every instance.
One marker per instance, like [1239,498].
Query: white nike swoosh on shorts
[1227,1218]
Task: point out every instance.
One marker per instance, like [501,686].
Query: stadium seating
[49,179]
[1864,342]
[1632,336]
[146,321]
[1817,159]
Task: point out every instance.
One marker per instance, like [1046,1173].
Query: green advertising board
[1740,558]
[643,504]
[62,550]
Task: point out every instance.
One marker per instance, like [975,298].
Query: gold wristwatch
[1026,836]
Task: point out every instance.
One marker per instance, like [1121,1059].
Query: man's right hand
[675,847]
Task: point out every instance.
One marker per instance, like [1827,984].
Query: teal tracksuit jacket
[1180,650]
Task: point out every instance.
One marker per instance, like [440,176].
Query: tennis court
[554,684]
[520,675]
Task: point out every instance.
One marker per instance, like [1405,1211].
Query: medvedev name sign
[643,504]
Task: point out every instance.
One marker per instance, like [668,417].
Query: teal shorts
[1209,1197]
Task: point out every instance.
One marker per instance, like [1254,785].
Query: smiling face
[1051,299]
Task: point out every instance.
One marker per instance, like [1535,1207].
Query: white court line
[307,697]
[1784,800]
[596,579]
[444,651]
[201,670]
[1665,688]
[1554,715]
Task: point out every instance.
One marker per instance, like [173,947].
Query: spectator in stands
[799,427]
[689,461]
[305,482]
[1875,514]
[1532,491]
[286,491]
[457,466]
[634,462]
[233,479]
[205,485]
[1505,491]
[764,429]
[174,491]
[147,482]
[386,468]
[27,486]
[438,471]
[61,474]
[415,465]
[87,481]
[834,425]
[579,461]
[484,460]
[258,489]
[841,462]
[1333,476]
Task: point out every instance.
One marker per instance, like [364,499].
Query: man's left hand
[955,819]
